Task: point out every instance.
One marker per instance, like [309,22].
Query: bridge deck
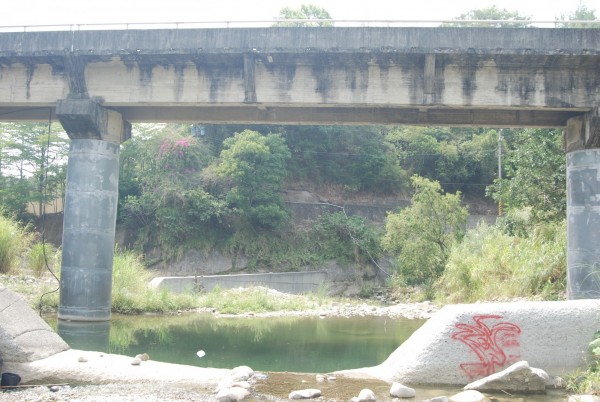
[439,76]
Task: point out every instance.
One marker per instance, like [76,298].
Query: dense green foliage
[423,234]
[254,166]
[535,167]
[355,158]
[490,264]
[460,159]
[166,192]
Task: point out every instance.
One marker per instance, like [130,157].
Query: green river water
[275,344]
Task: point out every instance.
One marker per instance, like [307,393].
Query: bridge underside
[334,115]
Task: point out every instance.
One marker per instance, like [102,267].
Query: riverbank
[45,290]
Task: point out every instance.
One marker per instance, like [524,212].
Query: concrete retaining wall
[24,335]
[288,282]
[462,343]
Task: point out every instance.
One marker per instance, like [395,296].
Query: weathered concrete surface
[583,223]
[83,367]
[450,76]
[465,342]
[89,230]
[24,336]
[287,282]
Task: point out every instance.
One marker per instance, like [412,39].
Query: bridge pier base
[90,208]
[582,144]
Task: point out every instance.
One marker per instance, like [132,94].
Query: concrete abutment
[90,208]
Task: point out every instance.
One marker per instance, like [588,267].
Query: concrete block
[24,335]
[462,343]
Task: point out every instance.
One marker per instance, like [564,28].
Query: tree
[423,234]
[535,168]
[356,157]
[582,13]
[33,162]
[490,13]
[164,187]
[254,165]
[305,12]
[459,158]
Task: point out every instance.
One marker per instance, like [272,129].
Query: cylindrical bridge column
[583,224]
[90,209]
[583,207]
[89,230]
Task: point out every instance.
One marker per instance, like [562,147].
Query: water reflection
[85,335]
[298,344]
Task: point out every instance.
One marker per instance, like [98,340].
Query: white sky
[40,12]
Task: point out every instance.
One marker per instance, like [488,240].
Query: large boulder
[518,378]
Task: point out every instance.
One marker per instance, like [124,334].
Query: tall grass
[253,299]
[14,240]
[130,291]
[491,265]
[43,256]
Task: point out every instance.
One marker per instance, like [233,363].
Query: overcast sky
[34,12]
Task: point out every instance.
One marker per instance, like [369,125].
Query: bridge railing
[292,22]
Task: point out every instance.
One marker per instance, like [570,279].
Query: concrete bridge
[98,82]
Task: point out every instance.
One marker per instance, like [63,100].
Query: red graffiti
[495,346]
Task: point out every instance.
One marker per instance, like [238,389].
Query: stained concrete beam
[87,119]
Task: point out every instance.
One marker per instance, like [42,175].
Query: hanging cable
[43,212]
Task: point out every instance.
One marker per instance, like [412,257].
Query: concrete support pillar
[90,208]
[582,142]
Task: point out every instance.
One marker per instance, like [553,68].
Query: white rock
[233,394]
[401,391]
[305,394]
[82,359]
[468,396]
[438,399]
[542,374]
[241,384]
[225,383]
[366,395]
[519,377]
[136,361]
[320,378]
[200,353]
[241,373]
[584,398]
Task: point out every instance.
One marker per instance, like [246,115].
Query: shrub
[490,264]
[14,239]
[42,255]
[346,238]
[588,382]
[130,291]
[423,234]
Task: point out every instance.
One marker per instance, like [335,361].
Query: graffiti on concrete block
[495,346]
